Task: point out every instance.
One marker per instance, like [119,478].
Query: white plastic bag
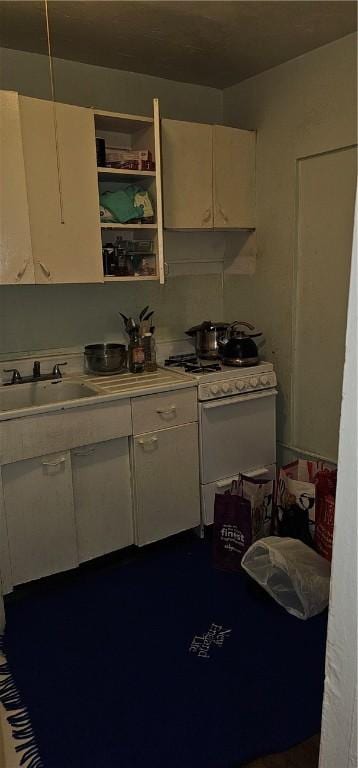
[292,573]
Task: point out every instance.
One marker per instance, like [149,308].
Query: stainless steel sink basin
[19,396]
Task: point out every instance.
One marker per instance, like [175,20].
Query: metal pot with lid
[207,337]
[239,348]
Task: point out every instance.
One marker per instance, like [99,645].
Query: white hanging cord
[54,112]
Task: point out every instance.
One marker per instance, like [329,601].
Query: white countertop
[135,384]
[106,388]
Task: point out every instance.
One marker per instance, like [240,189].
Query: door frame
[339,715]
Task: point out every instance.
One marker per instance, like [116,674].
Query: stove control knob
[240,385]
[214,389]
[254,382]
[264,380]
[226,388]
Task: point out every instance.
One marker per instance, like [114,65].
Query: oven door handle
[223,401]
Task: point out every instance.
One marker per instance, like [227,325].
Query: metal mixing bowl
[105,359]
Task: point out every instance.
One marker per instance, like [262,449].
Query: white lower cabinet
[61,509]
[166,482]
[40,516]
[102,496]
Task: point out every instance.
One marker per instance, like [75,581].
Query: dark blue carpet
[102,661]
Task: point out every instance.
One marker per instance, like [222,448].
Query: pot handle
[248,325]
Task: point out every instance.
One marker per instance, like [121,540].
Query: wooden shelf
[128,278]
[142,132]
[117,121]
[106,173]
[117,225]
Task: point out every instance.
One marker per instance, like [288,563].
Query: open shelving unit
[134,132]
[129,278]
[104,174]
[117,225]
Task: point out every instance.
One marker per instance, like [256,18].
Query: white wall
[104,88]
[45,317]
[302,108]
[339,721]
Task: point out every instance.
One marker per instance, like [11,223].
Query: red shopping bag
[326,483]
[297,484]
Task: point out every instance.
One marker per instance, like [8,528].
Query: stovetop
[210,370]
[217,380]
[190,363]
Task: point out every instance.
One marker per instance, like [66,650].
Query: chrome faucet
[16,377]
[56,371]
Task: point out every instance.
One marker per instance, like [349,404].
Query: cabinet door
[234,178]
[166,466]
[61,173]
[187,175]
[5,566]
[16,265]
[2,624]
[102,494]
[40,517]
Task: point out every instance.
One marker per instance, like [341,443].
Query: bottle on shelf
[150,358]
[136,357]
[101,152]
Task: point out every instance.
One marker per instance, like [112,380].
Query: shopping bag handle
[233,490]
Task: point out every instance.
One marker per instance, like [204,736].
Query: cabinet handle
[54,463]
[149,443]
[84,452]
[44,269]
[22,270]
[167,411]
[206,216]
[223,214]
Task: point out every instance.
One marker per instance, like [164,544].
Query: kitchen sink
[35,394]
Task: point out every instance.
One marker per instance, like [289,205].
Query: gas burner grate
[191,364]
[200,368]
[179,361]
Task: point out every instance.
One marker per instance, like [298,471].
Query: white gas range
[237,423]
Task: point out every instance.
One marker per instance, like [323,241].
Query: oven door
[237,434]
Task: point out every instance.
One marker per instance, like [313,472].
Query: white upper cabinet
[16,265]
[187,153]
[234,178]
[208,176]
[61,177]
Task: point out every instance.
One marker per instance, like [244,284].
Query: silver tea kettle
[239,348]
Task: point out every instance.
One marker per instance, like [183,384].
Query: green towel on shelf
[121,203]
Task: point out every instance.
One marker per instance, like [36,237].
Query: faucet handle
[56,372]
[36,370]
[16,375]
